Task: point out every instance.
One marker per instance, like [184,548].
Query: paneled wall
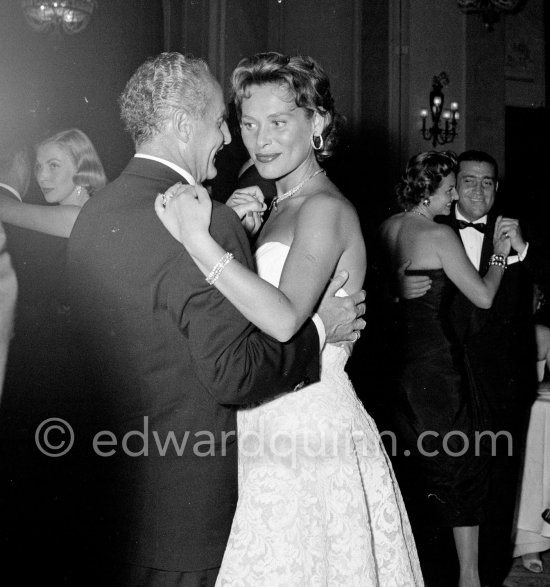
[427,38]
[485,89]
[348,37]
[224,31]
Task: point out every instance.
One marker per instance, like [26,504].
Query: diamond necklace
[414,211]
[292,191]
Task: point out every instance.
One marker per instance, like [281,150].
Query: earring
[426,201]
[78,190]
[317,142]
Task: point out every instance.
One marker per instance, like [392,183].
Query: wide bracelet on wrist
[218,268]
[498,261]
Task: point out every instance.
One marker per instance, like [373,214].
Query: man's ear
[181,123]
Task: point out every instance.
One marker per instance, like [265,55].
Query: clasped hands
[249,205]
[509,228]
[507,235]
[185,210]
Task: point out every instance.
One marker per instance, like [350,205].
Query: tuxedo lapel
[487,247]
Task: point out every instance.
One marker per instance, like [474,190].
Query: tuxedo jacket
[168,360]
[40,331]
[8,297]
[39,262]
[499,342]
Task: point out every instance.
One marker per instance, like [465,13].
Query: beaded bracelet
[218,268]
[498,261]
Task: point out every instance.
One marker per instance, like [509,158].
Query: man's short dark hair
[479,157]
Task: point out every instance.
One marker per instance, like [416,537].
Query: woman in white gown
[318,501]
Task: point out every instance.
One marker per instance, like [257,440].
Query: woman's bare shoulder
[329,203]
[391,225]
[392,221]
[443,231]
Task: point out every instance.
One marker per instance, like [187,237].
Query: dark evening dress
[442,460]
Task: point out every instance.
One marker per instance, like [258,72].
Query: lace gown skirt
[318,502]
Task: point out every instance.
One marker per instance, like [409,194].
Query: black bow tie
[479,226]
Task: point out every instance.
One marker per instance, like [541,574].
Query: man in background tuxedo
[498,344]
[36,492]
[168,357]
[14,182]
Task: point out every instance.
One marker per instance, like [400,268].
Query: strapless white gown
[318,501]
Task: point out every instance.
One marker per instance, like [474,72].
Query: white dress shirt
[473,242]
[472,239]
[185,174]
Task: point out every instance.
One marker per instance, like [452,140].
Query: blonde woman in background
[68,171]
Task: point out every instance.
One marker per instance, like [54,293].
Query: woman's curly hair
[307,83]
[423,175]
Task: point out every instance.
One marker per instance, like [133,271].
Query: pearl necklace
[417,212]
[294,190]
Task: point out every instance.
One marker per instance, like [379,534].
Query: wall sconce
[488,9]
[440,134]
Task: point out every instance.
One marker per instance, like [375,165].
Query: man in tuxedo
[498,344]
[168,358]
[8,297]
[35,493]
[14,182]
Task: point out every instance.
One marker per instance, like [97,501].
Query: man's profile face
[209,135]
[476,187]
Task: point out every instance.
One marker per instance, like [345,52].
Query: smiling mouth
[267,158]
[46,190]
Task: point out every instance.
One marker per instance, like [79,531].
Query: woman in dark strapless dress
[438,413]
[442,463]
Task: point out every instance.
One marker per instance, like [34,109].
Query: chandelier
[489,9]
[69,16]
[444,121]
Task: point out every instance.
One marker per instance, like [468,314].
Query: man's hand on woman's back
[411,286]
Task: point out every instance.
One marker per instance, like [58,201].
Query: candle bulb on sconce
[56,16]
[436,133]
[424,116]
